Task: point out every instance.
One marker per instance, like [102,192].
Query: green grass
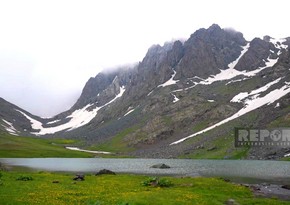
[200,126]
[237,87]
[22,147]
[117,144]
[121,189]
[224,148]
[167,120]
[283,121]
[225,145]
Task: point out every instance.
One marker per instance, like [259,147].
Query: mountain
[184,99]
[14,120]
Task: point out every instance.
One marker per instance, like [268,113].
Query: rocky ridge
[177,90]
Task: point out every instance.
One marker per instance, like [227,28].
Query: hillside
[184,99]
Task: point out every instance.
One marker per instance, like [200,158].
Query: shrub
[164,183]
[24,178]
[155,182]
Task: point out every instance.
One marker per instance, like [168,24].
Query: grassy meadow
[21,147]
[59,188]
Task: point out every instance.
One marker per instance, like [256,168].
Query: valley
[183,100]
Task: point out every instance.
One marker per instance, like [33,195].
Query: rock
[79,177]
[258,51]
[105,171]
[200,146]
[55,181]
[231,202]
[226,180]
[160,166]
[286,186]
[221,48]
[212,148]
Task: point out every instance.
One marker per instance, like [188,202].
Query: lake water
[246,171]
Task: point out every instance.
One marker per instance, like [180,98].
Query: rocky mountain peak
[214,28]
[267,38]
[215,46]
[257,54]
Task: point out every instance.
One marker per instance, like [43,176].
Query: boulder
[286,187]
[212,148]
[105,171]
[231,202]
[79,177]
[160,166]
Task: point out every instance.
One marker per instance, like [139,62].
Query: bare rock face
[208,50]
[105,86]
[92,88]
[156,66]
[111,91]
[256,56]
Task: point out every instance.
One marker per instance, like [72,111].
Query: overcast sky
[49,49]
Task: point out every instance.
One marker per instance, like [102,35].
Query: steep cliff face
[258,53]
[209,84]
[105,86]
[208,50]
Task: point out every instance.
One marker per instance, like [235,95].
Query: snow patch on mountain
[10,128]
[233,64]
[36,125]
[130,110]
[88,151]
[287,155]
[150,93]
[228,73]
[268,63]
[231,72]
[250,104]
[78,118]
[52,122]
[170,81]
[175,98]
[278,43]
[254,93]
[238,80]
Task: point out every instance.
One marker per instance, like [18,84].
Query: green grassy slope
[15,146]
